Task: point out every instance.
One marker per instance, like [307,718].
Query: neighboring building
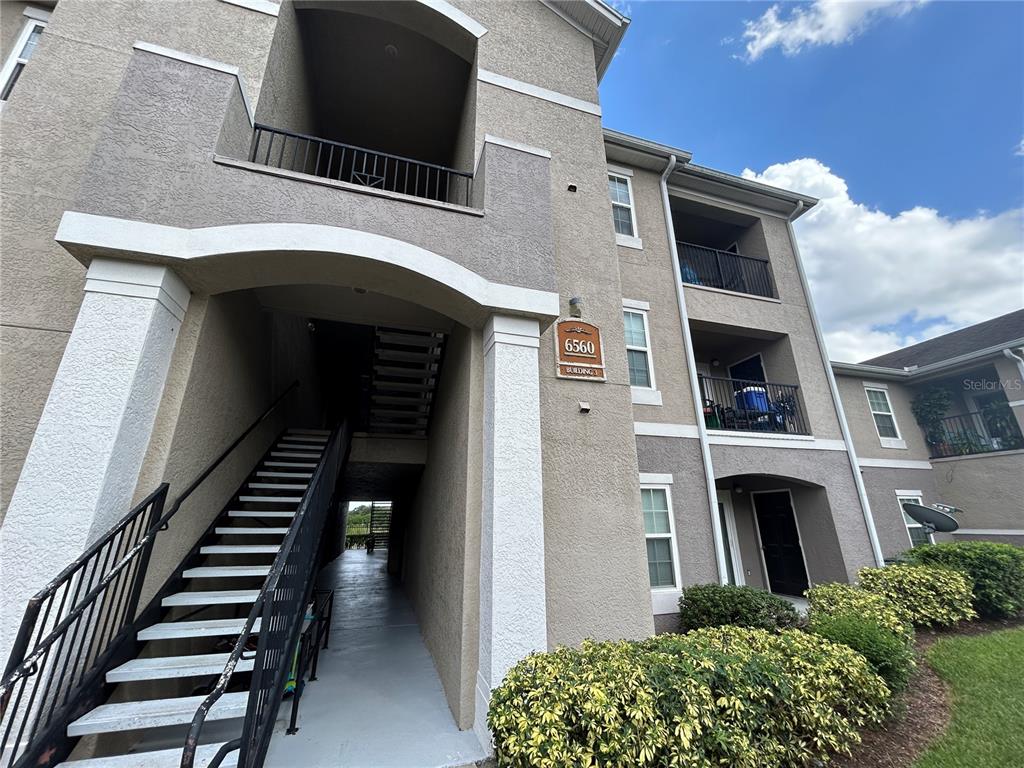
[395,204]
[968,454]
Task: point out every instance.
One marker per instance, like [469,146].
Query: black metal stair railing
[82,624]
[280,608]
[728,271]
[974,433]
[290,151]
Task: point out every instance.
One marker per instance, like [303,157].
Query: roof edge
[952,362]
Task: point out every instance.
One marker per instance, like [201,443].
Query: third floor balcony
[726,270]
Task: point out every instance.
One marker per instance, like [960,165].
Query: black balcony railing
[356,165]
[726,270]
[745,405]
[974,433]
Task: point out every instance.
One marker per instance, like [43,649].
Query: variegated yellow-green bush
[840,599]
[923,595]
[720,696]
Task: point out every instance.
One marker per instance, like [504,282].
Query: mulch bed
[921,713]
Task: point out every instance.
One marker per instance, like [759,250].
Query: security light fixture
[576,306]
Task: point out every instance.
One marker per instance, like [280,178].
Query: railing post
[155,514]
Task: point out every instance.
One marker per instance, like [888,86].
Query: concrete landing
[377,701]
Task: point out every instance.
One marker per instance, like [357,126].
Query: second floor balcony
[750,405]
[725,270]
[974,433]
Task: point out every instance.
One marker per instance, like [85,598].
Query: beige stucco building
[412,210]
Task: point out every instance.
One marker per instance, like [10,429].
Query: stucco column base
[513,611]
[82,467]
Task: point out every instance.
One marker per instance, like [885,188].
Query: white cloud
[870,270]
[1019,149]
[822,22]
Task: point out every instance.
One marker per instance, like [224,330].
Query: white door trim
[725,499]
[796,523]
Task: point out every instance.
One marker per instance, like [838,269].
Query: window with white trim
[21,52]
[620,190]
[658,530]
[638,349]
[914,529]
[881,412]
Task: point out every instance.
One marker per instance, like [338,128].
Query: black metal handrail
[81,622]
[328,159]
[974,433]
[746,405]
[726,270]
[280,609]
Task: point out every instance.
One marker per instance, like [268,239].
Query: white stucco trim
[199,61]
[645,396]
[513,608]
[1015,403]
[538,92]
[902,492]
[36,14]
[894,463]
[893,443]
[643,306]
[449,11]
[128,278]
[989,532]
[708,288]
[657,429]
[720,437]
[518,145]
[139,237]
[665,601]
[656,478]
[260,6]
[628,241]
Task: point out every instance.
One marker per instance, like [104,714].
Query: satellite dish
[930,518]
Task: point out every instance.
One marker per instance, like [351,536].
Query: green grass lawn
[986,673]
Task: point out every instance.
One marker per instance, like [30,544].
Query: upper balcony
[748,380]
[722,249]
[986,431]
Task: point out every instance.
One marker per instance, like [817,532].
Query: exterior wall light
[576,306]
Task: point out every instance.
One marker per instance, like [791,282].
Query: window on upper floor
[885,421]
[915,530]
[620,191]
[22,51]
[638,353]
[662,562]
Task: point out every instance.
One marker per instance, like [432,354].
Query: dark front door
[780,543]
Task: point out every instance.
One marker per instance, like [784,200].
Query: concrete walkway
[377,701]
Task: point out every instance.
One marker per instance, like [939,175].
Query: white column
[513,614]
[81,469]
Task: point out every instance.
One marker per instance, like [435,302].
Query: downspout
[844,427]
[691,366]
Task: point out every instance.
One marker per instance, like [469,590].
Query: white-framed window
[638,352]
[881,411]
[620,191]
[659,532]
[914,529]
[22,50]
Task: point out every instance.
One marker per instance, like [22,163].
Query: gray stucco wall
[437,547]
[988,487]
[881,484]
[48,129]
[862,425]
[286,93]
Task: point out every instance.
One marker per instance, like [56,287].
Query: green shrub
[715,605]
[732,696]
[924,596]
[835,599]
[997,571]
[890,654]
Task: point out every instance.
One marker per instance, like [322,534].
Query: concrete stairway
[252,530]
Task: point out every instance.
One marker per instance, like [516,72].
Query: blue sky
[913,117]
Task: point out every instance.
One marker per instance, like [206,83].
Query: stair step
[408,339]
[273,499]
[167,667]
[300,475]
[259,513]
[298,464]
[239,549]
[164,758]
[175,630]
[223,597]
[225,571]
[307,438]
[314,450]
[229,530]
[408,373]
[324,432]
[279,486]
[293,455]
[133,715]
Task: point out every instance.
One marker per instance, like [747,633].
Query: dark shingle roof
[998,330]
